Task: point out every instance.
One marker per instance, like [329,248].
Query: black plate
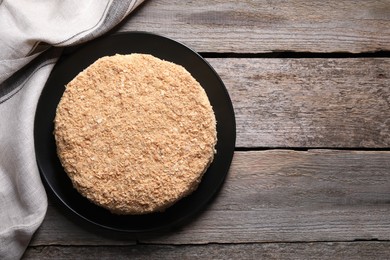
[52,173]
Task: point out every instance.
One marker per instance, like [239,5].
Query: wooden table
[310,178]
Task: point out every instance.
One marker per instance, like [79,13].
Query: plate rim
[177,221]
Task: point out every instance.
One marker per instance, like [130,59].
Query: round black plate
[69,66]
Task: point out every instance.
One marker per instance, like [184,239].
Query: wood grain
[275,204]
[309,102]
[329,250]
[257,26]
[273,196]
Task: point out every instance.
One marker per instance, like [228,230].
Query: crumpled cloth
[32,35]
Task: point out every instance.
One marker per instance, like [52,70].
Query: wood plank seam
[297,55]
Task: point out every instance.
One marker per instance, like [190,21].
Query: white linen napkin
[28,32]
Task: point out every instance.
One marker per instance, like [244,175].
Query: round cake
[134,133]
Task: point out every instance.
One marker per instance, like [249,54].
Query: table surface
[310,178]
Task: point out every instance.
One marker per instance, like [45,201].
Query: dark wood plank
[258,26]
[309,102]
[275,196]
[329,250]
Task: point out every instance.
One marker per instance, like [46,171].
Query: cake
[135,133]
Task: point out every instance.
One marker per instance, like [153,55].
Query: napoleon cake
[134,133]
